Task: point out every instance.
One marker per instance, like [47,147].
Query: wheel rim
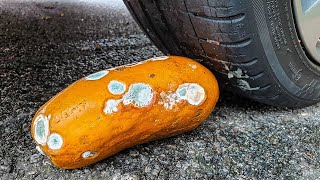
[307,14]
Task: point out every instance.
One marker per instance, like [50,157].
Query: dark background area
[45,46]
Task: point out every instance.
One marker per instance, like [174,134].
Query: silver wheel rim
[307,14]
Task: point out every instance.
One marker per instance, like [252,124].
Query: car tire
[253,45]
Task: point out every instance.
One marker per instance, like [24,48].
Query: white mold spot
[195,94]
[41,129]
[139,94]
[88,154]
[245,86]
[169,100]
[160,58]
[111,106]
[116,87]
[193,66]
[55,141]
[97,75]
[133,64]
[182,91]
[39,150]
[128,65]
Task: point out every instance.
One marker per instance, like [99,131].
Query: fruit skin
[82,130]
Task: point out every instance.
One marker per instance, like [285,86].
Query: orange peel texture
[111,110]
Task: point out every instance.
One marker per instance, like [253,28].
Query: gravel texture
[46,46]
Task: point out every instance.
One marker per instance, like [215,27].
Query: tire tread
[220,34]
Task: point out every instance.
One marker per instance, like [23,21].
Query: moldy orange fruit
[114,109]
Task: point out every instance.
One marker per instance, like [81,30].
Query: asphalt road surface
[46,46]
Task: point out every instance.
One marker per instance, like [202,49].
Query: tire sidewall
[294,62]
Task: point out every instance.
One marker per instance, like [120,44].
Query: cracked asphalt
[47,45]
